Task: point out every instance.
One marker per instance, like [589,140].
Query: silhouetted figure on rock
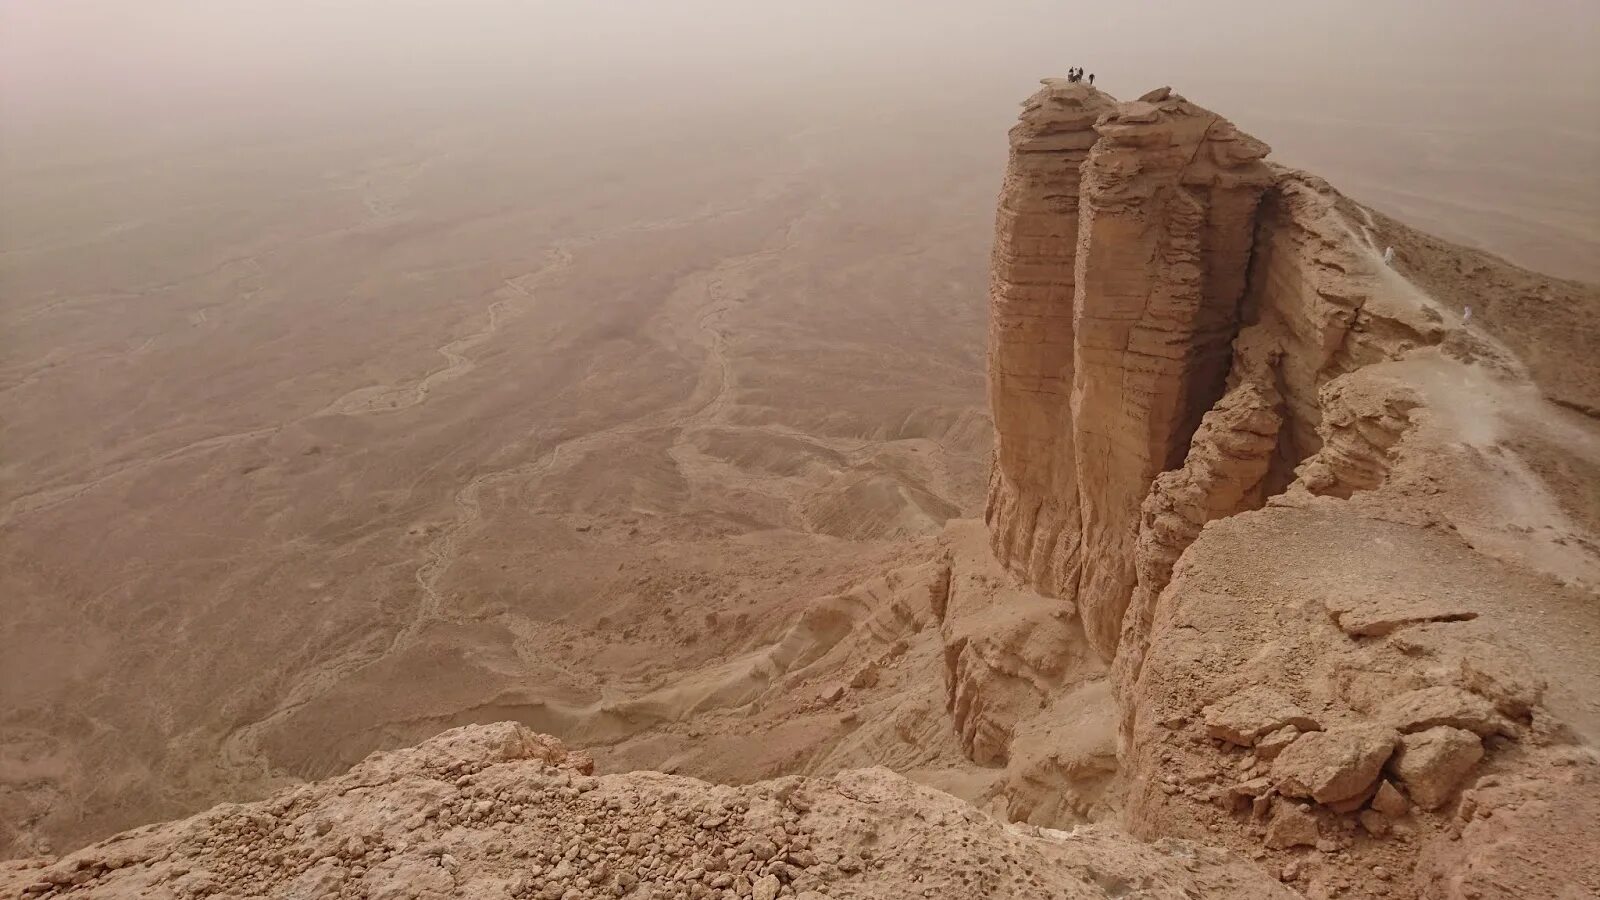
[1091,78]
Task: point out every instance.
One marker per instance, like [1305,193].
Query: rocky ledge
[498,811]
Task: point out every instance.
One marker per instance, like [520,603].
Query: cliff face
[1121,252]
[1033,509]
[1327,531]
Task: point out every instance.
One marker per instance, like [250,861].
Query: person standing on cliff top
[1091,78]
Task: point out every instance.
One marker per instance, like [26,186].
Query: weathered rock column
[1166,221]
[1032,508]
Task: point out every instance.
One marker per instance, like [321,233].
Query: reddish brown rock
[1336,764]
[1121,250]
[1376,823]
[1168,218]
[1253,712]
[1033,496]
[1269,745]
[1389,801]
[1444,705]
[1433,763]
[1291,826]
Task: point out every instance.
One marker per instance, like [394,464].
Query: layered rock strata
[1332,536]
[1033,499]
[1164,195]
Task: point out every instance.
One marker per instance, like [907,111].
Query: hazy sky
[154,57]
[1376,94]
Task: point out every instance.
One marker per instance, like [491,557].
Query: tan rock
[1033,496]
[1355,801]
[1336,764]
[1224,472]
[766,888]
[1433,763]
[1506,679]
[1376,823]
[1291,826]
[1121,249]
[1255,787]
[1253,712]
[1376,616]
[1269,745]
[1389,801]
[1430,707]
[1169,196]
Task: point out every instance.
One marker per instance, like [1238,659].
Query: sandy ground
[415,438]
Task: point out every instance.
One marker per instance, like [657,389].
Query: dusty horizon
[1463,115]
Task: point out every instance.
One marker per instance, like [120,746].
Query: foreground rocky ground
[497,811]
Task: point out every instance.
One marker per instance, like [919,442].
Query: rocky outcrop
[1033,499]
[1230,460]
[1170,193]
[1152,212]
[498,811]
[1315,520]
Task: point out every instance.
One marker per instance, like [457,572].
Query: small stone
[1389,801]
[766,888]
[867,677]
[1259,807]
[1246,790]
[1268,746]
[1355,802]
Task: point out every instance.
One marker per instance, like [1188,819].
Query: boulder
[1253,712]
[1433,763]
[1333,765]
[1291,826]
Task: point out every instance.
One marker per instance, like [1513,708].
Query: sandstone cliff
[1333,535]
[1120,260]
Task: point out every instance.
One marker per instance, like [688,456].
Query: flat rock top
[497,811]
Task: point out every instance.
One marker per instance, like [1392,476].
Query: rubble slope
[497,811]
